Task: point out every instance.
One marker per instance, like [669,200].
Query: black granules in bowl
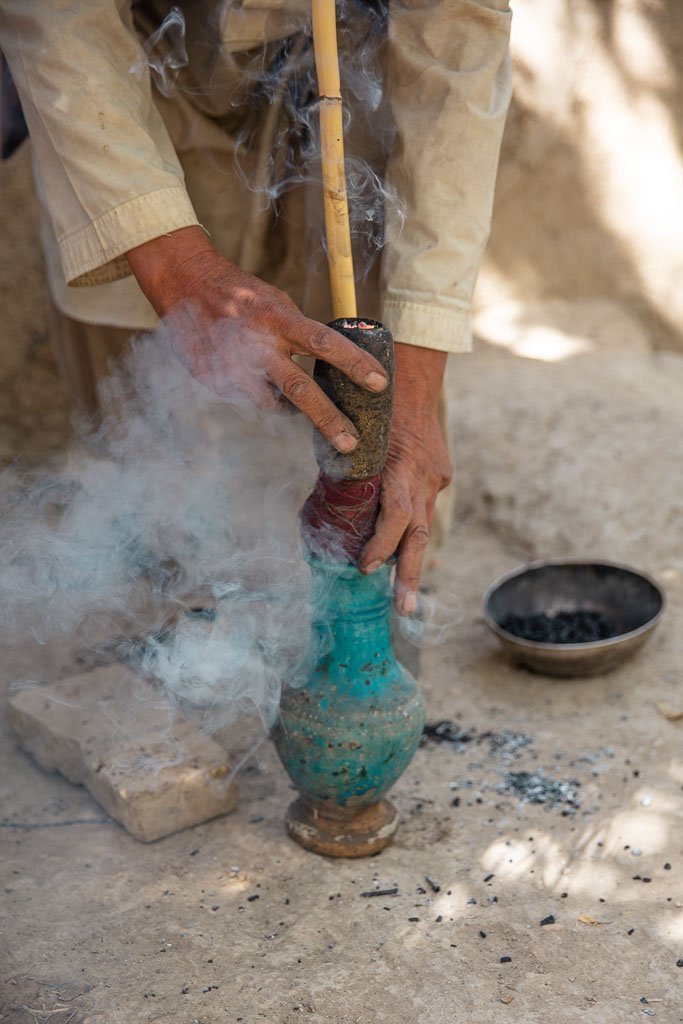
[578,627]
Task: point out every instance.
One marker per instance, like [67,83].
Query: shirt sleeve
[449,85]
[108,171]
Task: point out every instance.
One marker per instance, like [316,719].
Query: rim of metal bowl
[592,645]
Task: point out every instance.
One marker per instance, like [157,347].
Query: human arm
[108,173]
[113,186]
[449,83]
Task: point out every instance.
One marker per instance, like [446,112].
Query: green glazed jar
[347,735]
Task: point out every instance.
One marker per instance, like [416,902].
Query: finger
[409,565]
[395,513]
[302,391]
[311,338]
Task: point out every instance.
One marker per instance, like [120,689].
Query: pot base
[342,832]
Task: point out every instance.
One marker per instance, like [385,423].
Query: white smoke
[164,53]
[180,500]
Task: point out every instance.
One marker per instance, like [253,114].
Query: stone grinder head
[339,517]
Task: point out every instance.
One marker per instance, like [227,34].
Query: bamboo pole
[335,198]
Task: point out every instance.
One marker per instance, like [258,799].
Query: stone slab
[112,732]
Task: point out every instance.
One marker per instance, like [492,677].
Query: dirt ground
[567,428]
[232,922]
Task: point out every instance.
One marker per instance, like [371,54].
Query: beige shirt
[115,168]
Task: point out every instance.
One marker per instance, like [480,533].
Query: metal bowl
[632,601]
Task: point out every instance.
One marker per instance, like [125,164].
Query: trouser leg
[83,353]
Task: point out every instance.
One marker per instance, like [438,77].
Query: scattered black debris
[446,731]
[548,920]
[413,919]
[506,959]
[455,802]
[489,877]
[644,1000]
[565,627]
[434,886]
[630,931]
[438,919]
[482,935]
[536,788]
[185,989]
[380,892]
[250,899]
[679,963]
[210,988]
[667,867]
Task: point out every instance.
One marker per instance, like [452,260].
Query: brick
[110,731]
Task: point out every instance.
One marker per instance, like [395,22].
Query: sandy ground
[566,425]
[233,922]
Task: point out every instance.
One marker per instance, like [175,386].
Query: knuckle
[419,534]
[319,340]
[296,386]
[329,424]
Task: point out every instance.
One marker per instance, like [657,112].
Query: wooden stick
[337,228]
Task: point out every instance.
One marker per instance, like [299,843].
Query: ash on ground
[504,748]
[450,733]
[537,788]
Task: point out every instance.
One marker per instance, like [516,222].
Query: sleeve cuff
[95,254]
[445,328]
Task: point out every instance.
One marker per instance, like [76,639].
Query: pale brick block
[110,731]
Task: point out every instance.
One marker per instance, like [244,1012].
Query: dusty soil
[231,921]
[567,429]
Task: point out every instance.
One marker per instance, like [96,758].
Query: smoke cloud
[176,519]
[165,52]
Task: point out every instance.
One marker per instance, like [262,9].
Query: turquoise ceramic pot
[347,735]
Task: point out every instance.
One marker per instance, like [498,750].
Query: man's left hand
[417,468]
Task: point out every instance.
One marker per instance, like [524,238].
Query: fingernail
[372,566]
[376,381]
[409,603]
[345,442]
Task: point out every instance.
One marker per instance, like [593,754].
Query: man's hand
[235,333]
[417,468]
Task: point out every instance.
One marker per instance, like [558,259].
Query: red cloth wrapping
[339,517]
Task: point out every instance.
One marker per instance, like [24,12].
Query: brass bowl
[629,599]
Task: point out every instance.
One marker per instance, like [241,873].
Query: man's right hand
[235,333]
